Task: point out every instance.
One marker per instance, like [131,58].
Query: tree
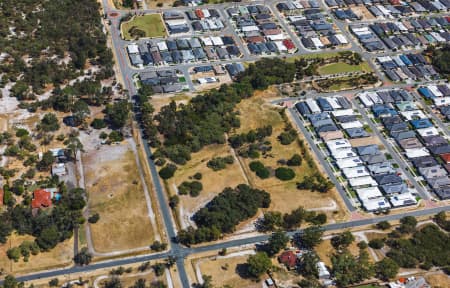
[54,282]
[159,269]
[342,240]
[48,238]
[98,123]
[13,254]
[173,201]
[140,283]
[295,160]
[80,111]
[311,237]
[83,257]
[276,242]
[10,282]
[114,282]
[284,173]
[46,161]
[94,218]
[383,225]
[272,220]
[407,224]
[73,145]
[310,283]
[158,246]
[376,243]
[386,269]
[49,123]
[258,264]
[308,265]
[167,171]
[117,113]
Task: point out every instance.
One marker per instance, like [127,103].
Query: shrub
[22,132]
[383,225]
[260,170]
[98,123]
[296,160]
[284,174]
[219,163]
[115,136]
[198,176]
[94,218]
[167,171]
[192,188]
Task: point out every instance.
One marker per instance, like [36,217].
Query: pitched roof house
[289,259]
[41,199]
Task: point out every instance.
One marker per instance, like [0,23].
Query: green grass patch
[341,67]
[312,55]
[150,25]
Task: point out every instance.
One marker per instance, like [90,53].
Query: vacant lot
[213,181]
[115,192]
[226,271]
[341,67]
[151,26]
[60,256]
[256,112]
[325,250]
[438,280]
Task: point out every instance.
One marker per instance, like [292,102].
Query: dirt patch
[365,141]
[115,192]
[361,11]
[59,256]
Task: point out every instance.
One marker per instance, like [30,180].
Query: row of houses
[163,81]
[205,20]
[315,29]
[257,27]
[176,22]
[366,169]
[440,95]
[407,67]
[392,9]
[416,135]
[182,50]
[413,32]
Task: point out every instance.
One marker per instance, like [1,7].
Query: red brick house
[288,259]
[41,199]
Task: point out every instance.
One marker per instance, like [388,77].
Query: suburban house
[446,158]
[41,199]
[288,259]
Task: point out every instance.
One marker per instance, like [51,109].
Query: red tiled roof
[42,198]
[1,197]
[446,157]
[288,43]
[272,32]
[288,258]
[199,13]
[255,39]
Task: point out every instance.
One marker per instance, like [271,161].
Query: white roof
[250,28]
[369,192]
[280,46]
[374,97]
[383,10]
[366,101]
[430,131]
[384,59]
[354,172]
[361,30]
[343,153]
[441,101]
[338,143]
[297,5]
[416,152]
[334,103]
[341,38]
[375,204]
[216,40]
[399,200]
[401,26]
[437,37]
[362,181]
[322,270]
[176,22]
[398,61]
[312,104]
[349,162]
[413,114]
[434,89]
[343,112]
[294,18]
[206,41]
[353,124]
[133,48]
[206,13]
[276,37]
[162,46]
[316,41]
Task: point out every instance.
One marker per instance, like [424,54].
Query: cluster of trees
[251,136]
[224,212]
[274,220]
[192,188]
[441,221]
[219,163]
[288,136]
[64,28]
[353,81]
[284,173]
[315,182]
[49,227]
[260,170]
[441,58]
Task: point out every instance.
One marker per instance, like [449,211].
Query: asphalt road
[183,252]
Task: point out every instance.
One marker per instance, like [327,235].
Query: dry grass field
[116,193]
[325,250]
[256,112]
[225,271]
[439,280]
[60,256]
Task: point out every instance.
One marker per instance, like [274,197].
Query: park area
[115,190]
[145,26]
[341,67]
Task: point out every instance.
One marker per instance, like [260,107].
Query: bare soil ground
[325,250]
[203,87]
[256,112]
[362,11]
[365,141]
[60,256]
[116,193]
[438,280]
